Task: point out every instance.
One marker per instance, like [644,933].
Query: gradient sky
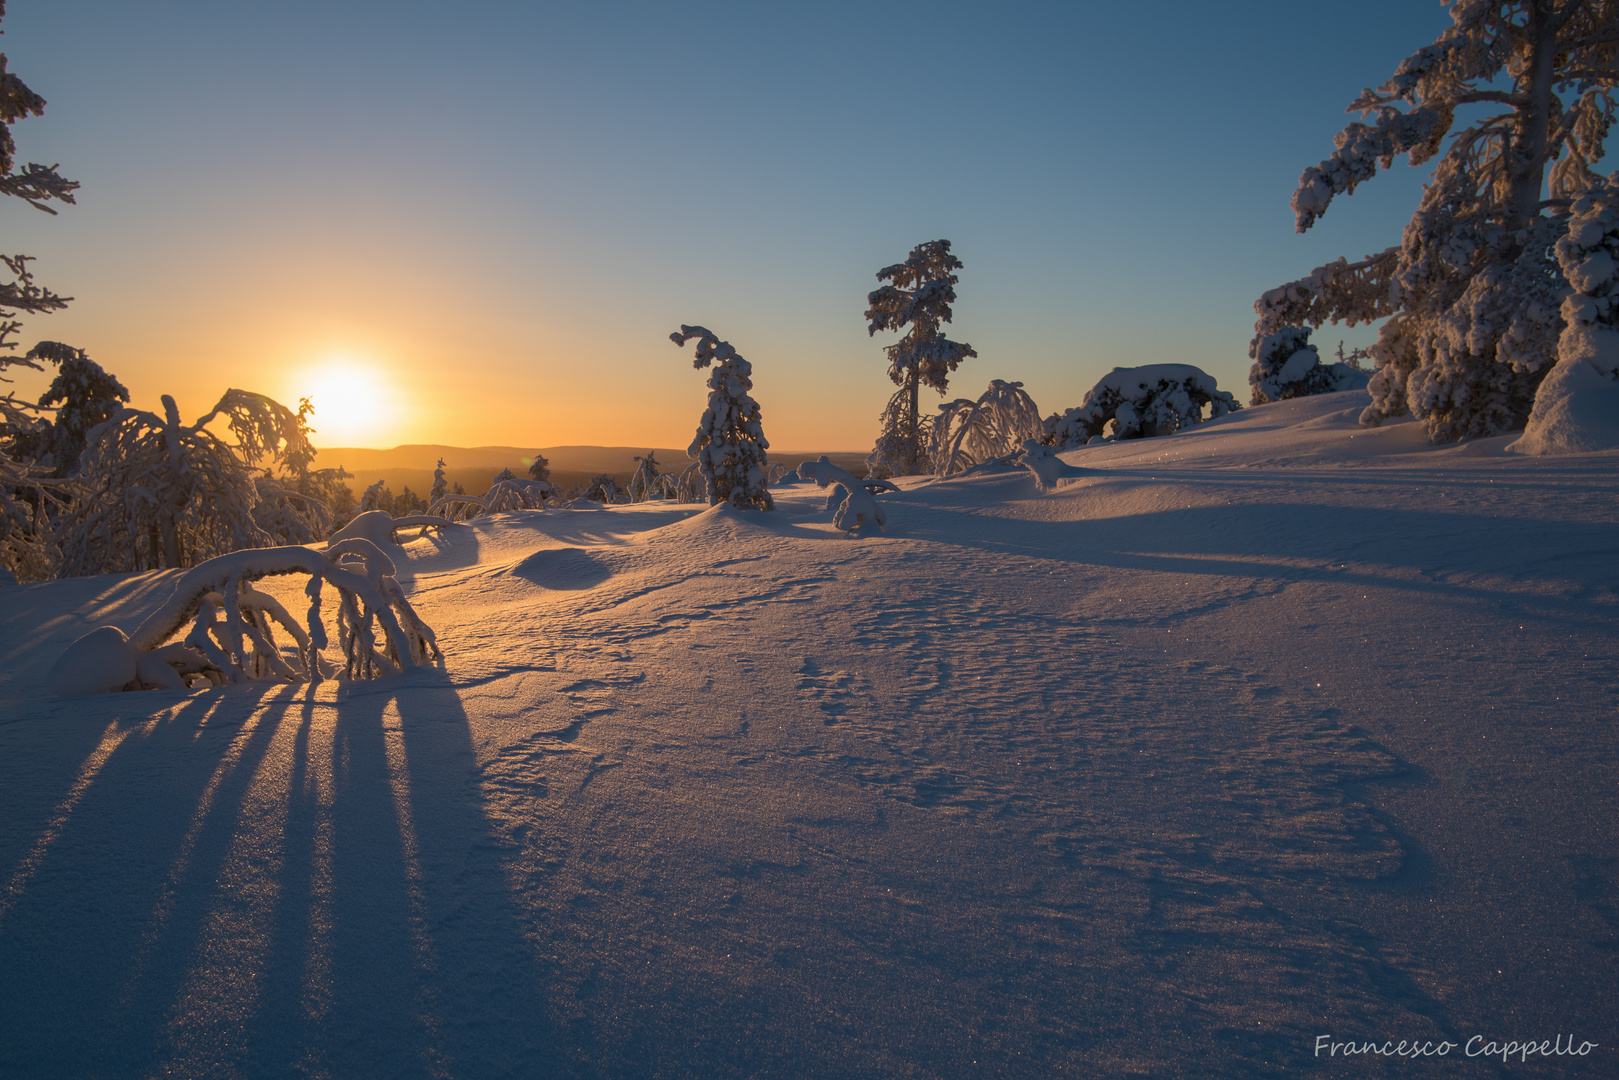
[482,220]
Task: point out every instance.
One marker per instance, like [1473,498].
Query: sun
[353,404]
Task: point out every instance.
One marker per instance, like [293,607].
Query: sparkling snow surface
[1275,728]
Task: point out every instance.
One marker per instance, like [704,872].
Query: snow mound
[566,569]
[1577,407]
[101,662]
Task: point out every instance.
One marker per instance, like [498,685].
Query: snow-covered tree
[730,443]
[1472,291]
[968,433]
[440,487]
[232,632]
[27,492]
[1157,399]
[919,294]
[83,395]
[857,507]
[1577,407]
[648,482]
[539,468]
[157,492]
[1286,366]
[603,488]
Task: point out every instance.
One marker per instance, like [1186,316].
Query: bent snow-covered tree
[1156,399]
[232,633]
[919,294]
[968,433]
[1472,292]
[730,443]
[158,492]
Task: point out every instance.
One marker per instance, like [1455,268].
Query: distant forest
[474,468]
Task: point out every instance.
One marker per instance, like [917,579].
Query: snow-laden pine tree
[83,396]
[918,295]
[1472,292]
[730,442]
[540,468]
[158,492]
[440,486]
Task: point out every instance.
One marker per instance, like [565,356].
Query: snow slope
[1275,728]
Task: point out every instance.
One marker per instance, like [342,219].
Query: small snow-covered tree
[440,487]
[857,508]
[730,443]
[648,482]
[1472,292]
[83,395]
[539,468]
[968,433]
[157,492]
[1157,399]
[1286,366]
[919,294]
[603,488]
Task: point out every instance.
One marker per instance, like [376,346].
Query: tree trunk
[1530,154]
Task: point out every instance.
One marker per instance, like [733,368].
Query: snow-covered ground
[1273,729]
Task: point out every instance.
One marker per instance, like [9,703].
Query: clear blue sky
[508,206]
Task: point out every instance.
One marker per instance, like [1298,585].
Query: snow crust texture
[1271,728]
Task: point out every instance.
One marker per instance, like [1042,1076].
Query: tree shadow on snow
[267,884]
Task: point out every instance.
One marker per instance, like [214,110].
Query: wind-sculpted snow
[1270,728]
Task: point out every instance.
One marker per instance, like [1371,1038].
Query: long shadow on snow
[264,885]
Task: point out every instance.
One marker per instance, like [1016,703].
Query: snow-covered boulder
[1286,366]
[1577,406]
[1156,399]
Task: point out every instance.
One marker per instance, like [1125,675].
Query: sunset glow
[355,405]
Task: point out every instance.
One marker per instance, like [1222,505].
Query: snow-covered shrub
[457,506]
[28,495]
[919,294]
[157,492]
[691,486]
[1157,399]
[1473,292]
[858,508]
[288,517]
[514,493]
[232,636]
[540,468]
[730,443]
[648,482]
[1577,407]
[381,528]
[603,488]
[967,433]
[1286,366]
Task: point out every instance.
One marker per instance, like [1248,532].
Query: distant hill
[475,466]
